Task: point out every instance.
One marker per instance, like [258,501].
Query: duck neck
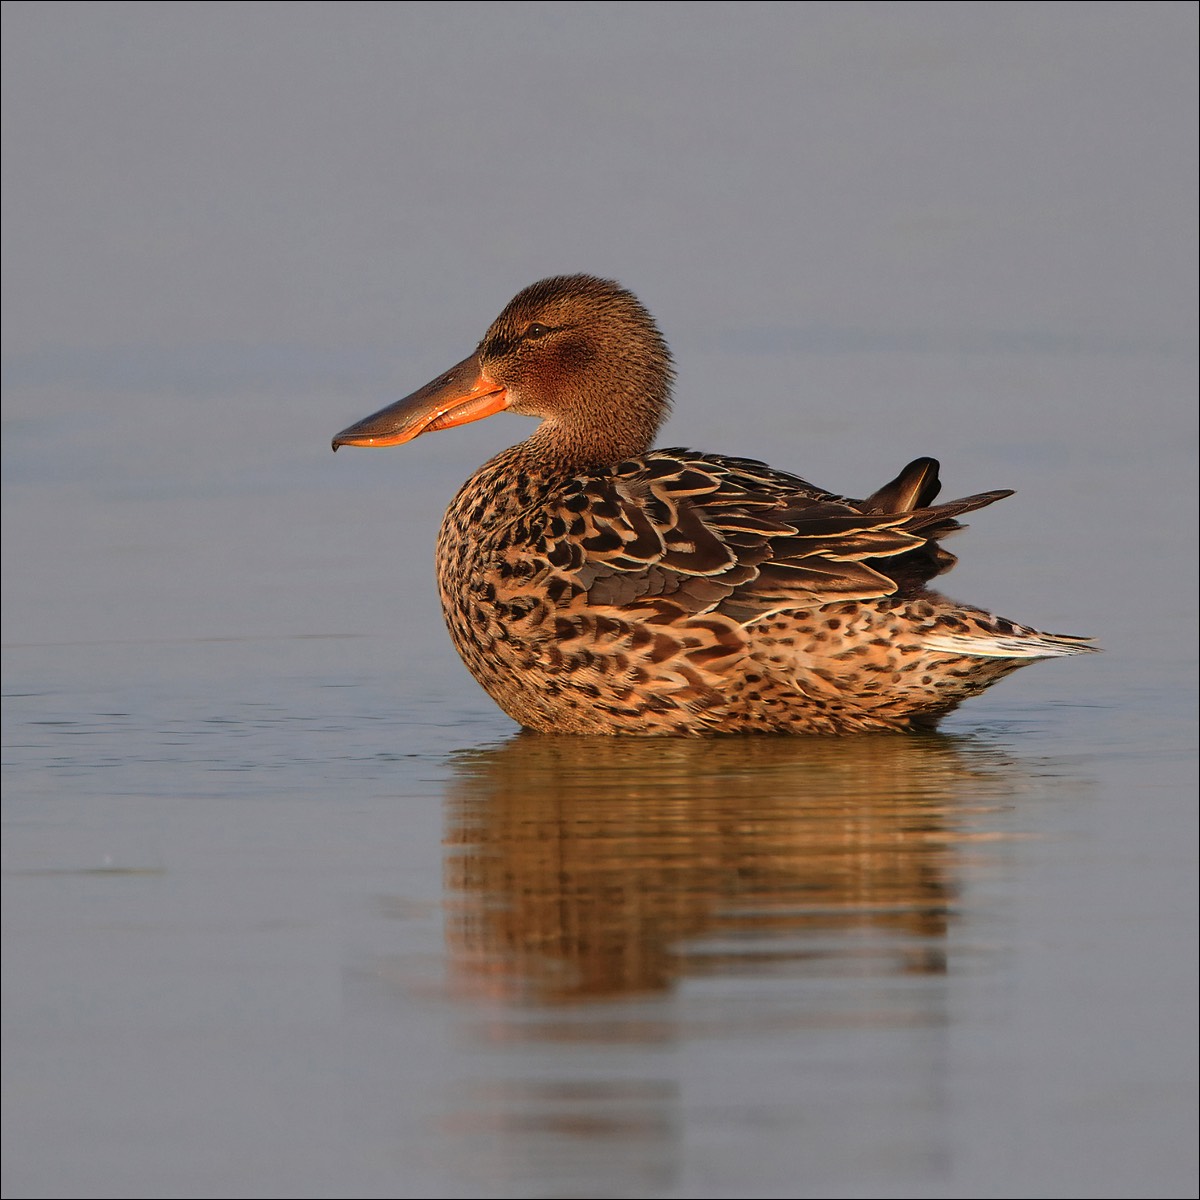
[568,446]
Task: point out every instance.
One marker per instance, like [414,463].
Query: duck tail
[992,637]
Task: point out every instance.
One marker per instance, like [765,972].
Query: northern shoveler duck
[593,585]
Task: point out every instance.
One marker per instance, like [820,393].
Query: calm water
[289,908]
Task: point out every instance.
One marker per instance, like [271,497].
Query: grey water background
[290,909]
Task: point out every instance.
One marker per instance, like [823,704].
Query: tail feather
[1020,643]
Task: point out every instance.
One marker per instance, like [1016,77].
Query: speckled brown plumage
[593,585]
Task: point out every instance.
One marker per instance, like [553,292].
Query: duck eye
[536,331]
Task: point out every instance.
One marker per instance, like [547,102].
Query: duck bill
[464,393]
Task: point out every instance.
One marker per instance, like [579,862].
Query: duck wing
[688,533]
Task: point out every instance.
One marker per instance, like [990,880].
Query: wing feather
[688,533]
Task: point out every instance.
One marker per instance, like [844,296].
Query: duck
[594,585]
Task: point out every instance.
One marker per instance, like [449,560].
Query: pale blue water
[290,908]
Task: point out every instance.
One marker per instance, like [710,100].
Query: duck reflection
[589,868]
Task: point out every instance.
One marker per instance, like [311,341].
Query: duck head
[580,353]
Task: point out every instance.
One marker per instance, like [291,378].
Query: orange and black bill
[462,394]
